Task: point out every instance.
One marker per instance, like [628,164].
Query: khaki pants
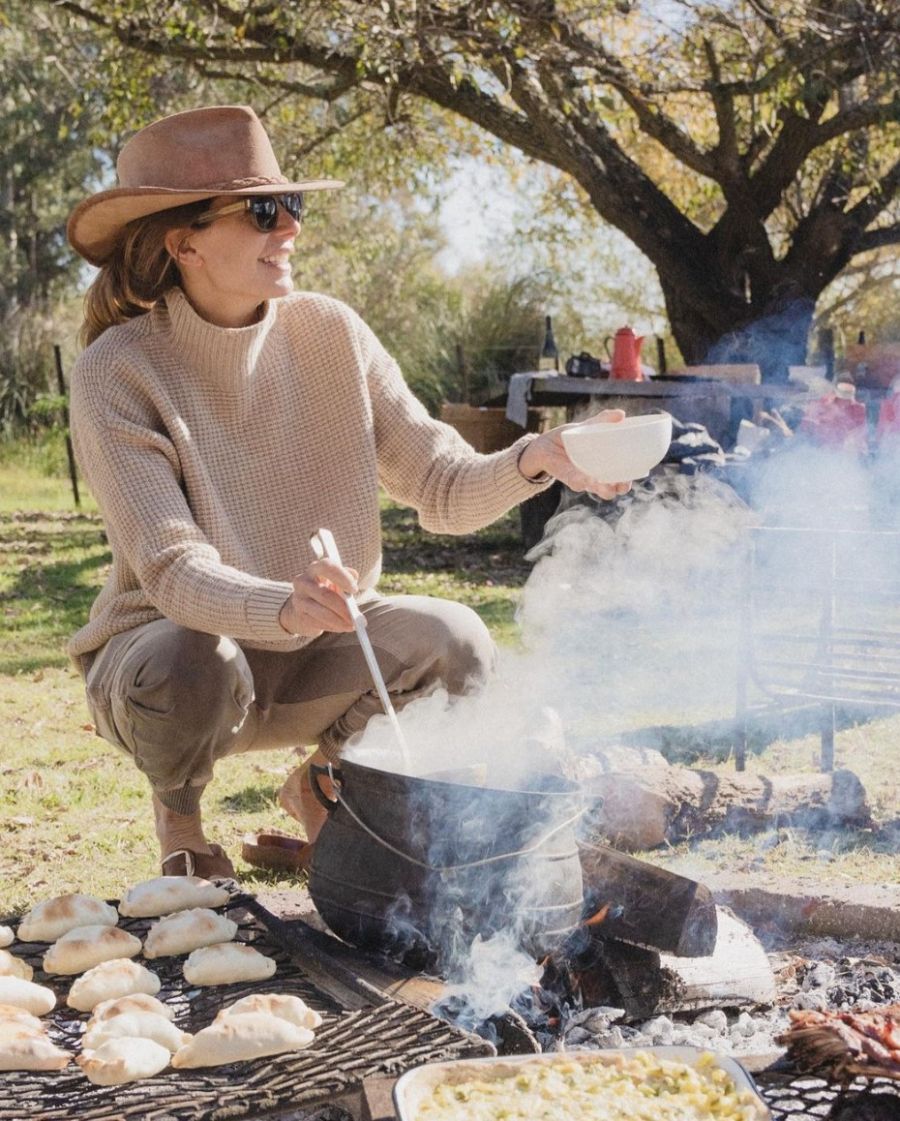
[177,700]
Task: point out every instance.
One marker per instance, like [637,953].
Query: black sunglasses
[263,210]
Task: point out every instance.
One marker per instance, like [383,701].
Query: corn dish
[632,1085]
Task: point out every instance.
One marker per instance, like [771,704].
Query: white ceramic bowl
[617,453]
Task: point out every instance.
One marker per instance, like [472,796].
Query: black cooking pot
[418,867]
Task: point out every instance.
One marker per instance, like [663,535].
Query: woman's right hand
[317,603]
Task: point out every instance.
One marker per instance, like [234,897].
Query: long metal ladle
[324,545]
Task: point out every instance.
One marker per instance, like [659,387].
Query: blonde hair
[138,272]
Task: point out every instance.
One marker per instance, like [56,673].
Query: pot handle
[317,771]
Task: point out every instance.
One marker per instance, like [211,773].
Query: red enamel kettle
[626,355]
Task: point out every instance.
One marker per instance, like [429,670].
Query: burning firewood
[846,1044]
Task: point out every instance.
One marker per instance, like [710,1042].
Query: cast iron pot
[417,867]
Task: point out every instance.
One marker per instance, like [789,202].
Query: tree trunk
[772,332]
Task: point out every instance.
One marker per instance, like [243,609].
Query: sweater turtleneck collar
[225,355]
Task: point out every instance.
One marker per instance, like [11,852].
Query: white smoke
[638,621]
[494,974]
[607,618]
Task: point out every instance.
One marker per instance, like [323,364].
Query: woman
[221,419]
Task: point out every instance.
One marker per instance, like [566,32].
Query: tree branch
[134,36]
[288,87]
[318,91]
[856,118]
[880,195]
[726,153]
[666,132]
[879,237]
[794,142]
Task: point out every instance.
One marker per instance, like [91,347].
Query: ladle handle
[324,545]
[317,771]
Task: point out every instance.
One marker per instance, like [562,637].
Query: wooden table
[707,401]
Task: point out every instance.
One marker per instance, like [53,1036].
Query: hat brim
[95,223]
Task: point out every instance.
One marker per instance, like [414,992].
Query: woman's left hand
[548,453]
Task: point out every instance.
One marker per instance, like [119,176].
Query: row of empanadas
[84,929]
[115,1044]
[162,895]
[84,947]
[129,1038]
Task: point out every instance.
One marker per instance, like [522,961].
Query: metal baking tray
[415,1085]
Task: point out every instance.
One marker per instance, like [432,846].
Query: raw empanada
[11,966]
[245,1035]
[123,1060]
[165,895]
[186,931]
[135,1025]
[86,946]
[31,1051]
[13,1029]
[225,963]
[12,1014]
[283,1005]
[110,980]
[134,1002]
[51,919]
[6,936]
[36,999]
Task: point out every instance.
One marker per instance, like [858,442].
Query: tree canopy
[750,149]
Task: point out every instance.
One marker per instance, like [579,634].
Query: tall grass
[34,474]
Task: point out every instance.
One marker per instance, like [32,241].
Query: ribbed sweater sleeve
[214,454]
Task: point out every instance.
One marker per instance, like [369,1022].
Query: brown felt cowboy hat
[222,150]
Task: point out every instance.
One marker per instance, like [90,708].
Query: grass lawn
[75,813]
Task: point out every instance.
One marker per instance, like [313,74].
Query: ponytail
[138,272]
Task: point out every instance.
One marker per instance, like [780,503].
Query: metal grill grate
[349,1046]
[791,1097]
[820,624]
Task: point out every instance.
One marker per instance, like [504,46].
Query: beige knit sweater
[216,453]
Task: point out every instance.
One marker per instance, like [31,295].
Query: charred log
[635,811]
[634,901]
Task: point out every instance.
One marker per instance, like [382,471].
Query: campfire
[822,1043]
